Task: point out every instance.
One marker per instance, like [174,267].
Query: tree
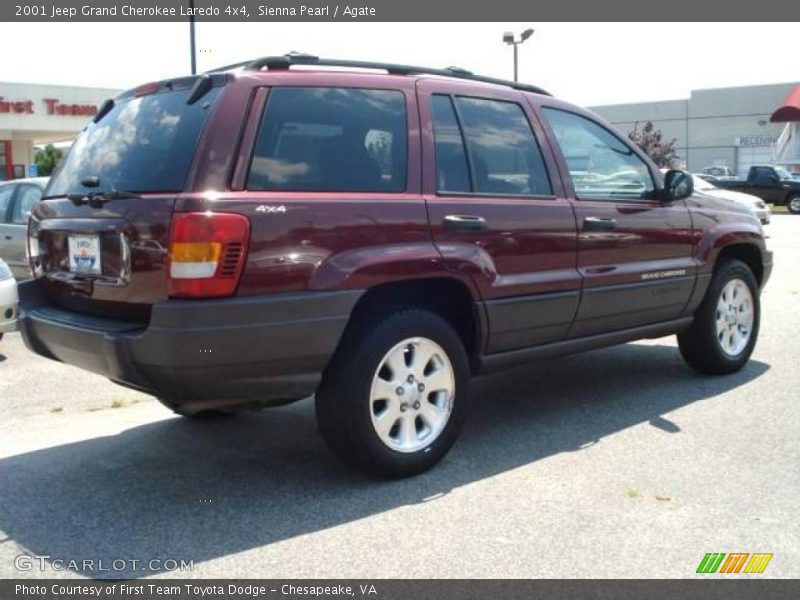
[46,160]
[650,140]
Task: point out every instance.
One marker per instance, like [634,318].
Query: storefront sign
[756,140]
[50,106]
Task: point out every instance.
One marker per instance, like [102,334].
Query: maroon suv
[375,236]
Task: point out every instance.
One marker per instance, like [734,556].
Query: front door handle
[599,224]
[464,222]
[9,237]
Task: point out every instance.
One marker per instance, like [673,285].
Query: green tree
[46,160]
[651,141]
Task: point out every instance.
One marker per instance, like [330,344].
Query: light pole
[508,38]
[191,38]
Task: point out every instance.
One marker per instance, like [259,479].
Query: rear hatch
[99,239]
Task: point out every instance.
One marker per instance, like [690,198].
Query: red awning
[790,111]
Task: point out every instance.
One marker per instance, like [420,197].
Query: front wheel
[723,334]
[793,204]
[393,398]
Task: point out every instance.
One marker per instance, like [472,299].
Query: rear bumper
[200,353]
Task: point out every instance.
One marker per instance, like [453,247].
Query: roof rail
[287,60]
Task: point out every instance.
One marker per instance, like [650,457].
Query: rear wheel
[392,400]
[723,334]
[794,204]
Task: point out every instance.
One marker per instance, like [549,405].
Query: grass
[56,409]
[632,493]
[117,403]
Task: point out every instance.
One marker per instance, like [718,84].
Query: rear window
[331,139]
[144,144]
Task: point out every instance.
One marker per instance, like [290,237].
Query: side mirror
[677,185]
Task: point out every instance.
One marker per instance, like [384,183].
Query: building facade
[717,127]
[32,115]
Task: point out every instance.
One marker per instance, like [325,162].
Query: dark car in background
[773,184]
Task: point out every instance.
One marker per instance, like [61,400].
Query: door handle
[9,237]
[599,224]
[464,222]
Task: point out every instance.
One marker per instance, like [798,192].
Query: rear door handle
[599,224]
[464,222]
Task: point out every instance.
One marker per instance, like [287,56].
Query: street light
[508,38]
[192,51]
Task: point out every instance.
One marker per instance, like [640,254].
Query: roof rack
[279,63]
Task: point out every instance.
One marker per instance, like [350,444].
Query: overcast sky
[586,63]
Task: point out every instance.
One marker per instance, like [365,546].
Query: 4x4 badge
[271,208]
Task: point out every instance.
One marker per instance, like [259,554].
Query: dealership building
[734,127]
[32,115]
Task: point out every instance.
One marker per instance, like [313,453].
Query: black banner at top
[395,10]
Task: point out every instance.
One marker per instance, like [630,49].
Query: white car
[756,204]
[8,300]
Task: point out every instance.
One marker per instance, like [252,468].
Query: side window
[452,173]
[763,175]
[331,139]
[600,164]
[6,193]
[27,197]
[503,153]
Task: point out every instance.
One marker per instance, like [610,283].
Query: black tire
[793,204]
[343,399]
[700,345]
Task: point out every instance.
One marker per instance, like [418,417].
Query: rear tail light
[206,254]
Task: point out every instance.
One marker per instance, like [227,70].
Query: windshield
[144,144]
[783,173]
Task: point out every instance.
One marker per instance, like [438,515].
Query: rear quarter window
[331,139]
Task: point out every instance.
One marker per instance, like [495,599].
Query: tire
[793,204]
[360,401]
[716,342]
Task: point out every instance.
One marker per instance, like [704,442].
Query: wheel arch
[448,296]
[749,253]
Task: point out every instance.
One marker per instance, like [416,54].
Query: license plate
[84,254]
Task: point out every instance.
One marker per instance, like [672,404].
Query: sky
[586,63]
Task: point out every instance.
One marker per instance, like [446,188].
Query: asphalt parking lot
[617,463]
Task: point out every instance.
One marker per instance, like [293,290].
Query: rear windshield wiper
[97,199]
